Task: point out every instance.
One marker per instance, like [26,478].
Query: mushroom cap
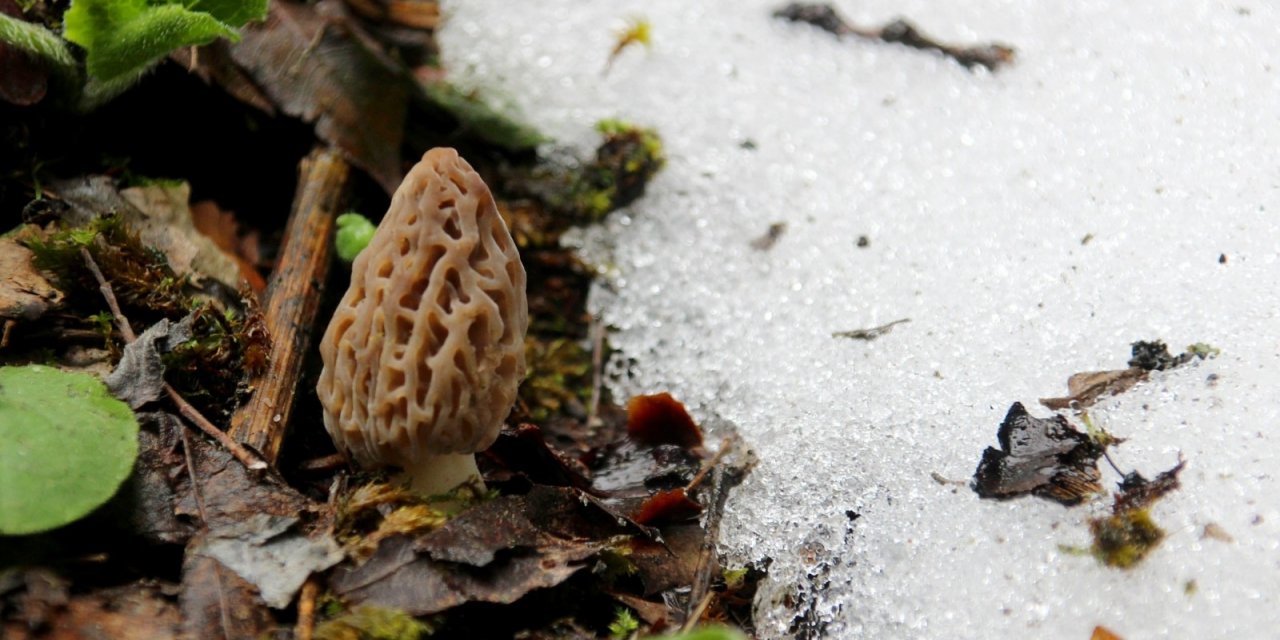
[426,350]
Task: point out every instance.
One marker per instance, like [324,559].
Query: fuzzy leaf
[67,447]
[123,37]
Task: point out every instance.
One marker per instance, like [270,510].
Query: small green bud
[354,233]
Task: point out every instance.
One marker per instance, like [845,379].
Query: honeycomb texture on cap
[426,349]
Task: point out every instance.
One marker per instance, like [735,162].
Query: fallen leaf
[631,470]
[150,490]
[399,577]
[25,294]
[134,611]
[1084,389]
[524,450]
[667,506]
[661,419]
[1102,633]
[139,377]
[216,603]
[1045,457]
[309,60]
[169,204]
[1136,492]
[165,226]
[495,552]
[670,564]
[544,518]
[270,555]
[230,493]
[221,227]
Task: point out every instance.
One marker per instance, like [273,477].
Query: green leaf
[236,13]
[482,120]
[123,37]
[66,446]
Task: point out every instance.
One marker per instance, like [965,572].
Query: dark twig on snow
[242,454]
[990,56]
[870,334]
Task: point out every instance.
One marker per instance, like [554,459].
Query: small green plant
[354,233]
[123,39]
[624,624]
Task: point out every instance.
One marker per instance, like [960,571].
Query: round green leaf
[66,446]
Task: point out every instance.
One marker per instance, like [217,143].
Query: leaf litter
[1052,459]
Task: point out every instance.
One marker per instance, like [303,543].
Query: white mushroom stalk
[423,357]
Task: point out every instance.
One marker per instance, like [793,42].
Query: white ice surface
[1152,127]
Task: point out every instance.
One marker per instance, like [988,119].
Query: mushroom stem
[438,474]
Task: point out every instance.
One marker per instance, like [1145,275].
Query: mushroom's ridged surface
[426,350]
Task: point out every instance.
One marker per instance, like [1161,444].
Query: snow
[1147,128]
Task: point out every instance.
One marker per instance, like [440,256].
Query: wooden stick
[306,625]
[292,299]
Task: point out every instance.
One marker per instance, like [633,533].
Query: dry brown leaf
[1086,388]
[25,294]
[313,63]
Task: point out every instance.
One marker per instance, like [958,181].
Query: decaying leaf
[399,577]
[661,419]
[228,493]
[524,450]
[139,377]
[134,611]
[169,204]
[216,603]
[25,294]
[308,59]
[1045,457]
[1084,389]
[268,553]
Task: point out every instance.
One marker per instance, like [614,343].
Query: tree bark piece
[292,299]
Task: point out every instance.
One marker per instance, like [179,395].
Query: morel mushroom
[424,354]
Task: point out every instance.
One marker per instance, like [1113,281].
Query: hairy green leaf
[122,38]
[67,445]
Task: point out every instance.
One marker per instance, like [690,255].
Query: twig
[725,446]
[869,334]
[596,331]
[243,455]
[991,56]
[307,610]
[700,590]
[191,473]
[293,300]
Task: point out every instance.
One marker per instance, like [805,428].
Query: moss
[559,376]
[625,161]
[624,624]
[367,622]
[1123,539]
[227,346]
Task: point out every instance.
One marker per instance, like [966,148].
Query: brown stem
[292,300]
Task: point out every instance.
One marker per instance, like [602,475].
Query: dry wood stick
[292,299]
